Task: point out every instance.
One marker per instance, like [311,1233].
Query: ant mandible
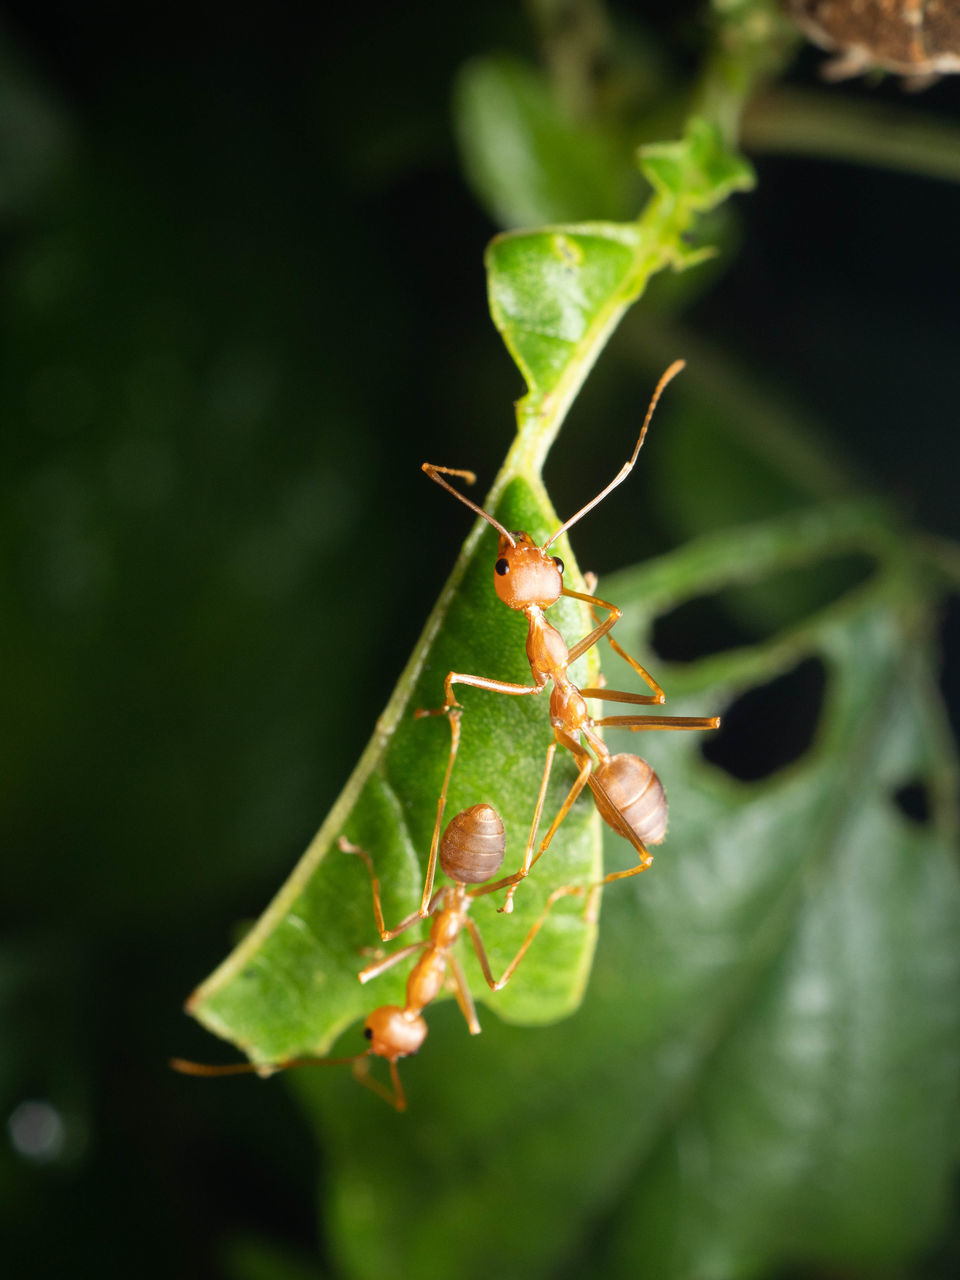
[471,850]
[527,578]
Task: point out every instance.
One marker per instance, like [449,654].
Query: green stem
[749,47]
[829,126]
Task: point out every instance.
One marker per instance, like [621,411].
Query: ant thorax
[547,650]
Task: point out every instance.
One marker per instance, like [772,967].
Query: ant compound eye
[558,562]
[516,535]
[368,1032]
[502,567]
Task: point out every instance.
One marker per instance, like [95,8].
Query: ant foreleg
[614,614]
[602,629]
[475,682]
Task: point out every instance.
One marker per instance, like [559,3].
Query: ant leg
[381,966]
[534,827]
[458,983]
[616,695]
[387,935]
[564,891]
[642,672]
[425,903]
[187,1068]
[475,682]
[635,723]
[361,1073]
[614,614]
[359,1063]
[599,632]
[496,984]
[585,763]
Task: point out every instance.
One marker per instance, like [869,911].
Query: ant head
[473,845]
[525,574]
[393,1033]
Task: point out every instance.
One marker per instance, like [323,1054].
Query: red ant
[470,851]
[628,793]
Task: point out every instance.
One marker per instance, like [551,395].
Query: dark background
[242,299]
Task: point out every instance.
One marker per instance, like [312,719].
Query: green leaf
[291,986]
[526,159]
[698,172]
[764,1071]
[557,294]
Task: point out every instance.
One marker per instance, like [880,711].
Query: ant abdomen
[636,794]
[473,845]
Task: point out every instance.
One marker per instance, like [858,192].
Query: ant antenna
[627,466]
[243,1068]
[359,1061]
[434,473]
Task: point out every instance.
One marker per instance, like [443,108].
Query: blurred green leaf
[528,162]
[248,1257]
[765,1070]
[699,172]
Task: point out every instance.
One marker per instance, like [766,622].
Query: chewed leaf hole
[913,801]
[695,629]
[753,612]
[771,725]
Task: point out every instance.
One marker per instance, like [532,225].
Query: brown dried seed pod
[637,794]
[473,845]
[916,38]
